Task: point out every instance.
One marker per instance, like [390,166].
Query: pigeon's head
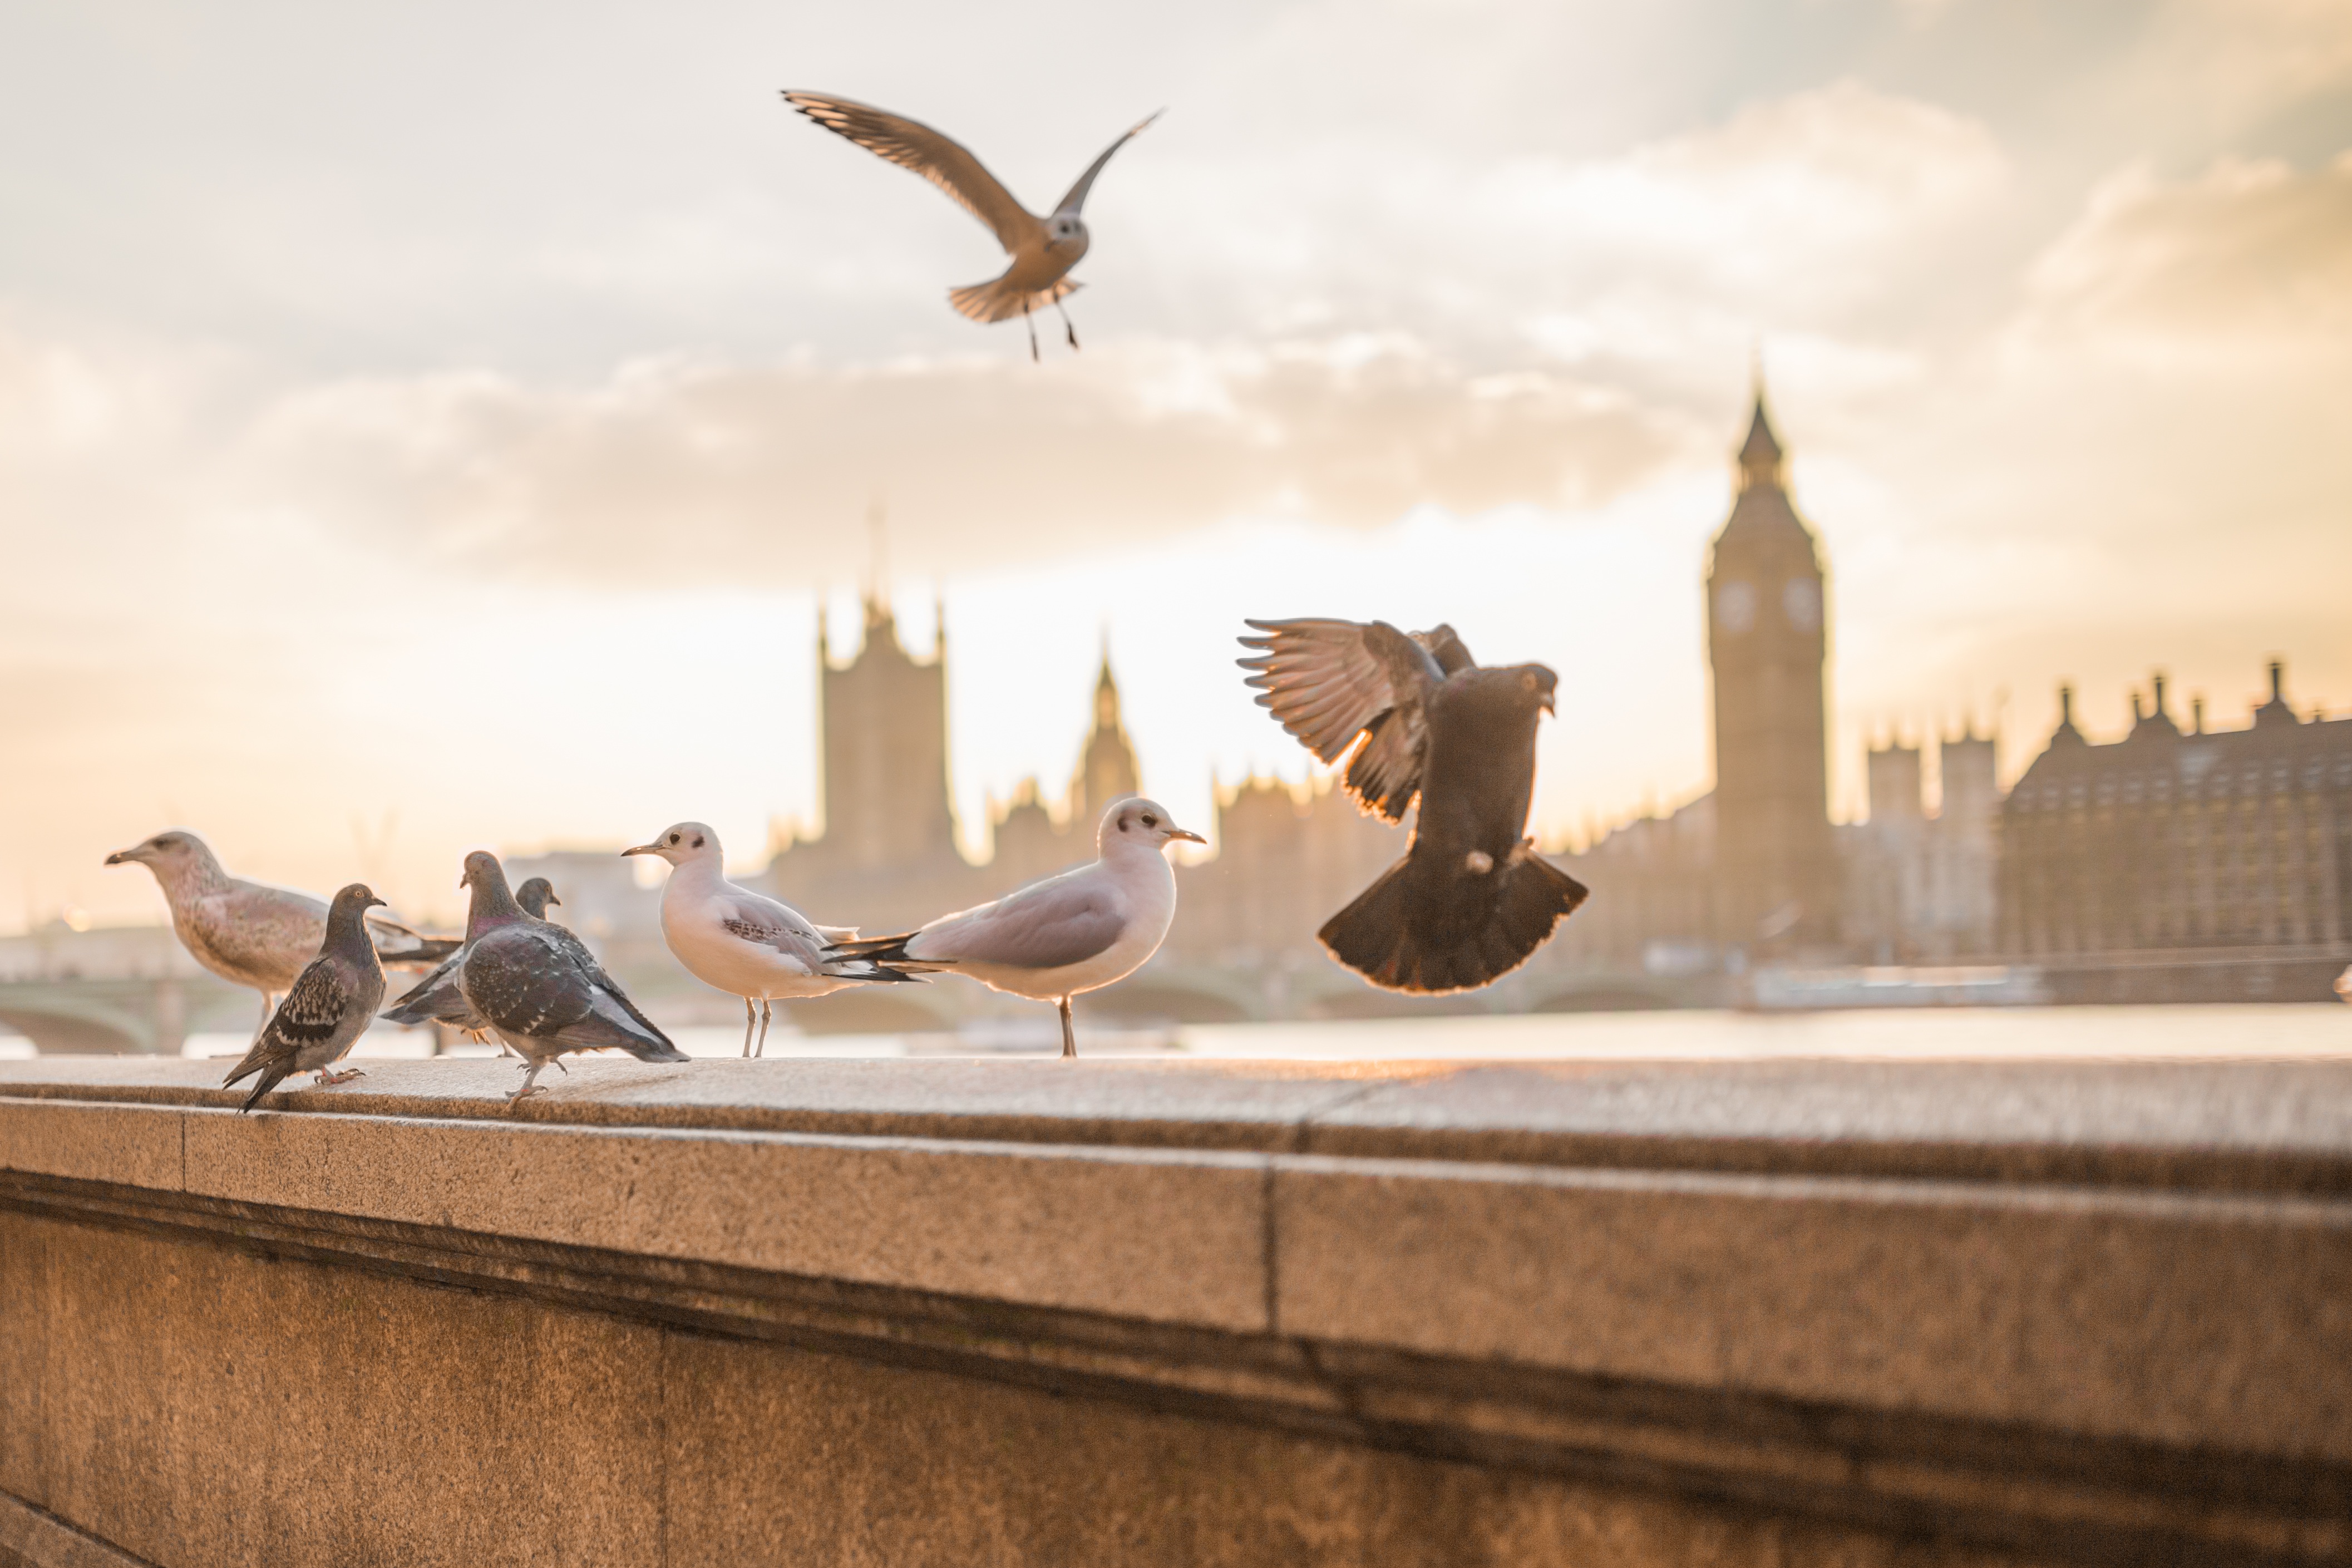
[171,850]
[1142,824]
[534,896]
[483,870]
[1538,685]
[352,903]
[680,843]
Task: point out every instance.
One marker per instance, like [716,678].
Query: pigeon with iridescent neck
[533,983]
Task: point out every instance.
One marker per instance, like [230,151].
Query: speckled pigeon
[332,1003]
[1471,899]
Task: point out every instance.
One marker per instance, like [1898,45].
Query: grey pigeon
[435,999]
[537,989]
[1088,927]
[250,934]
[1043,249]
[1471,899]
[332,1003]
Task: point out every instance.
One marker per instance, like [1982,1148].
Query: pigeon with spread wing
[1043,249]
[1471,899]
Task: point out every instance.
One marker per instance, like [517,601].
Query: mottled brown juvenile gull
[536,986]
[1471,899]
[1088,927]
[330,1006]
[251,934]
[1043,249]
[746,944]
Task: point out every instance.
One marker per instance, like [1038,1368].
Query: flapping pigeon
[332,1003]
[1089,927]
[536,987]
[1471,899]
[1043,249]
[743,942]
[435,999]
[250,934]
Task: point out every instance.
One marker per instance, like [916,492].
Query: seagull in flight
[1043,249]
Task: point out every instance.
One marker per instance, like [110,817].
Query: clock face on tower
[1735,605]
[1801,599]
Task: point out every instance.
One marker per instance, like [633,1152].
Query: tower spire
[1760,453]
[877,545]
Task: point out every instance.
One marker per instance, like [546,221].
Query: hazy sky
[425,426]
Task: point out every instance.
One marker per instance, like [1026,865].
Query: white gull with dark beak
[1089,927]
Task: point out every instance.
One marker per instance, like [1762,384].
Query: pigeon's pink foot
[525,1091]
[343,1077]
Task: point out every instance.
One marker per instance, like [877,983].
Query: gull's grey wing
[938,158]
[262,929]
[396,943]
[1330,682]
[1060,921]
[1077,199]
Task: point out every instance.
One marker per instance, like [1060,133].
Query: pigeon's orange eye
[1527,681]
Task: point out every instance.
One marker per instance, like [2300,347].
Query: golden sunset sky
[428,425]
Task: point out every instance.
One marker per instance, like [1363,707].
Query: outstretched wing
[1076,200]
[943,160]
[1330,681]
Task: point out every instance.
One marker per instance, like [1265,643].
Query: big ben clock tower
[1767,642]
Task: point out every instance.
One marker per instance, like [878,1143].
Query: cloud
[2249,255]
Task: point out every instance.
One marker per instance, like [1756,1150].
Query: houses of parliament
[2209,862]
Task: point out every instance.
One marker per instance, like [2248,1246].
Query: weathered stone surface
[209,1407]
[136,1145]
[2190,1321]
[1157,1235]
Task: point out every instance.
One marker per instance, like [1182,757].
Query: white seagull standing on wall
[1043,249]
[1090,927]
[743,942]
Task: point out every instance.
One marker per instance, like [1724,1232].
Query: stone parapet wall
[1033,1311]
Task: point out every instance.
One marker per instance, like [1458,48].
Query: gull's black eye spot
[1122,825]
[698,841]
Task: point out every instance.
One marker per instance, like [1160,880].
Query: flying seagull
[250,934]
[1471,899]
[536,986]
[435,999]
[332,1003]
[1088,927]
[743,942]
[1043,249]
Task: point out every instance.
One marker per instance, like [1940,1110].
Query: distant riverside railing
[1034,1311]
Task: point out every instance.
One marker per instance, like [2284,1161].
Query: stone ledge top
[2266,1125]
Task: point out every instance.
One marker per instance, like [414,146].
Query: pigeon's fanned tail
[1400,942]
[999,299]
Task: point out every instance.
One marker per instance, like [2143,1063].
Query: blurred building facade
[2204,865]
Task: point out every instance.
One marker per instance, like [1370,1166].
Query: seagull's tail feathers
[1000,299]
[885,956]
[1401,937]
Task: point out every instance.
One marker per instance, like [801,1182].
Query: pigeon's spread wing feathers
[938,158]
[1330,682]
[1075,200]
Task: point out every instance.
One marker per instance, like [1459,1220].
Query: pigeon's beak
[1187,835]
[1549,706]
[643,849]
[464,880]
[375,903]
[553,901]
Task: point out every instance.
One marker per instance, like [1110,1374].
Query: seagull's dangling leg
[1032,352]
[764,1029]
[1070,1037]
[747,1025]
[1067,325]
